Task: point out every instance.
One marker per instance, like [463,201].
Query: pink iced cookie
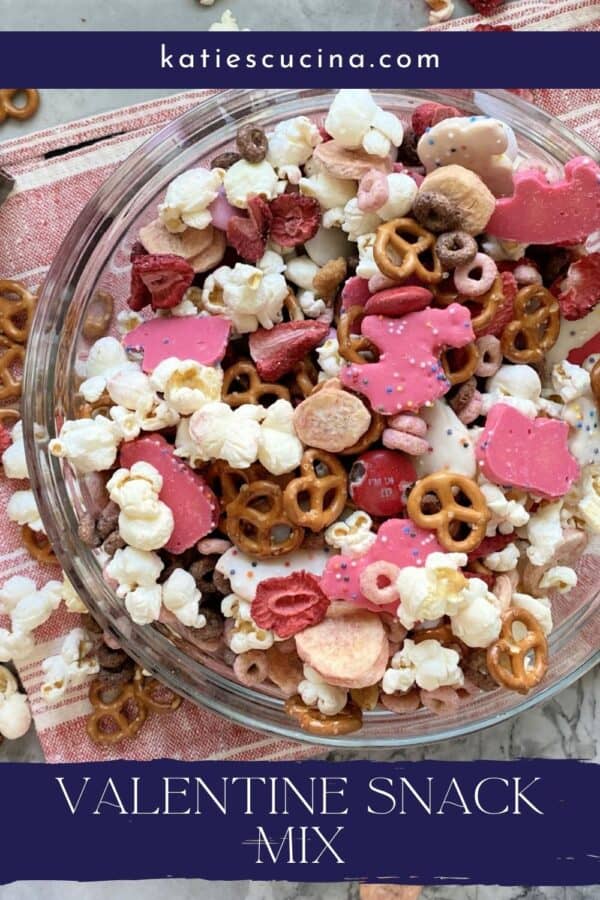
[399,541]
[408,373]
[355,292]
[530,454]
[202,338]
[540,212]
[194,506]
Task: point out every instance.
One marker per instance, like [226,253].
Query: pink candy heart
[201,338]
[530,454]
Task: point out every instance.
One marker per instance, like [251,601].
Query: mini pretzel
[444,635]
[99,315]
[99,407]
[9,416]
[328,279]
[292,307]
[446,486]
[254,517]
[371,435]
[226,482]
[8,108]
[398,258]
[119,713]
[595,382]
[506,657]
[16,311]
[254,389]
[155,696]
[352,346]
[316,500]
[305,377]
[460,363]
[314,722]
[38,546]
[532,331]
[482,309]
[11,355]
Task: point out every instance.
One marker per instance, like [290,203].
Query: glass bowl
[95,256]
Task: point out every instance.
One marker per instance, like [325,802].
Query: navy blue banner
[85,59]
[511,823]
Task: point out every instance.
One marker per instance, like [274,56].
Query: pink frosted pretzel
[378,582]
[373,191]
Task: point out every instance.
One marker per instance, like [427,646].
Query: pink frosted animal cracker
[399,541]
[201,338]
[543,212]
[408,373]
[530,454]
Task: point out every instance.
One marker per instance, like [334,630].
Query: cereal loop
[455,248]
[490,356]
[252,143]
[476,277]
[378,582]
[435,211]
[251,668]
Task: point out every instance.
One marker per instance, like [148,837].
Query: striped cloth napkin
[534,15]
[51,190]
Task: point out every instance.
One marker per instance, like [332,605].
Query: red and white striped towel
[49,194]
[534,15]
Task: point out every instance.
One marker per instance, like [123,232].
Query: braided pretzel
[398,258]
[8,108]
[351,345]
[326,494]
[254,517]
[445,486]
[99,315]
[532,331]
[119,713]
[506,657]
[460,363]
[482,309]
[16,311]
[11,355]
[155,696]
[314,722]
[38,546]
[226,482]
[255,390]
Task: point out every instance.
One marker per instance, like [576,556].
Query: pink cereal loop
[410,423]
[401,703]
[251,668]
[212,546]
[490,356]
[472,410]
[369,582]
[407,443]
[373,191]
[474,287]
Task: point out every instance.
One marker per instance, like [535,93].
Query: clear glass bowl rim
[113,200]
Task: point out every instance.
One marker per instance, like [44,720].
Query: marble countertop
[567,726]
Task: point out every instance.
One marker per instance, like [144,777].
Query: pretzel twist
[254,389]
[399,258]
[16,311]
[8,108]
[532,332]
[253,518]
[507,657]
[445,486]
[326,493]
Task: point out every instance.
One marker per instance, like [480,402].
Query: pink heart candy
[201,338]
[530,454]
[398,301]
[543,212]
[408,373]
[399,541]
[194,506]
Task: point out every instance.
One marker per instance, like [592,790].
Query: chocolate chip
[225,160]
[252,143]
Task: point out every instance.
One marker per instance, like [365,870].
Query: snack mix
[348,427]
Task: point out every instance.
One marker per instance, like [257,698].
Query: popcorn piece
[227,22]
[73,602]
[245,634]
[570,382]
[15,645]
[13,458]
[331,193]
[186,384]
[188,198]
[234,435]
[504,560]
[310,306]
[279,450]
[127,320]
[246,295]
[517,386]
[143,604]
[132,390]
[15,715]
[22,509]
[327,244]
[244,179]
[34,607]
[402,191]
[477,622]
[539,607]
[506,514]
[358,223]
[292,141]
[301,270]
[90,445]
[70,667]
[181,596]
[559,578]
[352,537]
[132,568]
[314,691]
[145,522]
[427,664]
[355,120]
[106,358]
[544,532]
[329,359]
[589,504]
[433,590]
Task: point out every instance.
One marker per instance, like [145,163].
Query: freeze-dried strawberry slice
[490,545]
[296,219]
[426,115]
[277,350]
[486,7]
[579,292]
[504,313]
[249,235]
[289,605]
[160,279]
[5,438]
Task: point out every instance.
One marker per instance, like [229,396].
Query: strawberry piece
[296,219]
[277,350]
[426,115]
[194,506]
[249,236]
[289,605]
[490,545]
[486,7]
[579,292]
[5,438]
[160,279]
[504,313]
